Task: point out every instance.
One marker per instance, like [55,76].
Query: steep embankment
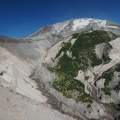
[20,97]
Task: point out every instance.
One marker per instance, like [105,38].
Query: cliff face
[74,66]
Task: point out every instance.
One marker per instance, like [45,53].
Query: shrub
[106,90]
[108,76]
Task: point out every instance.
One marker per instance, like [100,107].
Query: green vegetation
[118,68]
[65,48]
[75,35]
[83,57]
[67,85]
[86,77]
[107,75]
[106,50]
[67,69]
[113,36]
[49,68]
[106,90]
[86,57]
[84,97]
[91,39]
[67,66]
[84,48]
[112,104]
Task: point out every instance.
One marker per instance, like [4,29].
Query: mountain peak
[73,25]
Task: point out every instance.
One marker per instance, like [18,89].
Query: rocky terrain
[65,71]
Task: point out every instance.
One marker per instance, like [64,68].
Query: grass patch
[67,66]
[106,90]
[67,85]
[85,98]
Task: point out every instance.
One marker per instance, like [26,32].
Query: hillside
[70,69]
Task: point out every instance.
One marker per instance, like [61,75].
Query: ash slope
[20,61]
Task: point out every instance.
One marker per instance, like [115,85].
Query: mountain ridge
[81,21]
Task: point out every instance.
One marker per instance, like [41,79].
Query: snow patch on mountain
[80,23]
[113,27]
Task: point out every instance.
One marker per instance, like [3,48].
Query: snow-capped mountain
[72,66]
[67,27]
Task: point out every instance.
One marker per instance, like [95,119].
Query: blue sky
[19,18]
